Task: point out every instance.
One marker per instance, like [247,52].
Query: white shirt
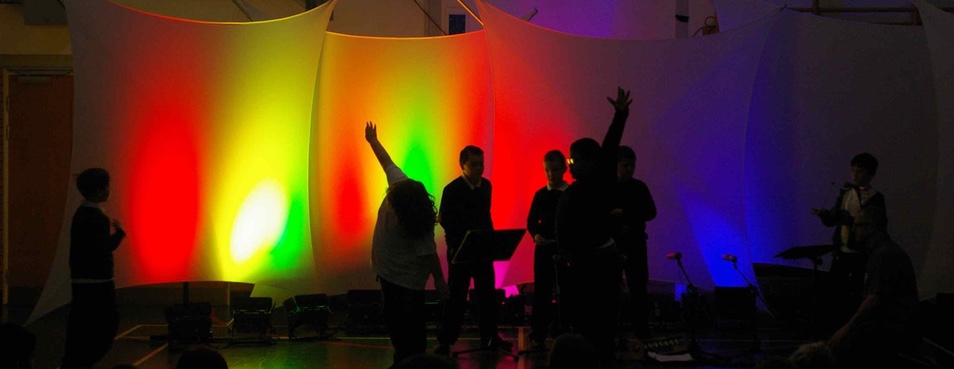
[562,187]
[393,257]
[853,204]
[471,185]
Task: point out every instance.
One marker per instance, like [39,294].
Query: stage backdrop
[937,275]
[205,129]
[829,89]
[620,19]
[430,97]
[855,93]
[687,126]
[237,156]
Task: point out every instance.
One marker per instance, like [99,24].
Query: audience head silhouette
[201,357]
[17,346]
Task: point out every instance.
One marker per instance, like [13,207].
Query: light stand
[694,350]
[309,310]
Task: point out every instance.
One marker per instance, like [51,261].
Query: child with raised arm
[404,254]
[591,289]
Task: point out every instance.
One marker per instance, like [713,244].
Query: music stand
[813,253]
[488,246]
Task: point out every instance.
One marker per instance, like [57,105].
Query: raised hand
[622,99]
[371,135]
[370,131]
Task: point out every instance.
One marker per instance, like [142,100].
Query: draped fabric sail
[204,128]
[236,149]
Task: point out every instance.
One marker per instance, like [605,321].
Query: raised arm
[371,135]
[615,132]
[610,145]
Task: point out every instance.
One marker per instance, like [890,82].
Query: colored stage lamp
[251,315]
[311,310]
[189,323]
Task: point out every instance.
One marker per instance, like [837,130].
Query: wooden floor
[140,342]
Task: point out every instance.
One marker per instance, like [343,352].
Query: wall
[18,38]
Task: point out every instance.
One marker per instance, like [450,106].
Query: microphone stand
[694,350]
[756,296]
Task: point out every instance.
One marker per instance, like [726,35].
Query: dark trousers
[458,280]
[843,295]
[636,269]
[404,317]
[543,279]
[590,296]
[92,324]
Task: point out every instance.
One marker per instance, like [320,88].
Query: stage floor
[139,342]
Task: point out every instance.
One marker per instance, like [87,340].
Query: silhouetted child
[848,262]
[465,206]
[93,318]
[634,207]
[541,224]
[404,253]
[591,287]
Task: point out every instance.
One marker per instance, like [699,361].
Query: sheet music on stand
[488,245]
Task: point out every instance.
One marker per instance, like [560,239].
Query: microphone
[730,258]
[674,256]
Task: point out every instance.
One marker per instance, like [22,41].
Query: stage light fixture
[308,310]
[189,323]
[365,312]
[251,315]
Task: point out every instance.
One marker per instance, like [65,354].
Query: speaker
[365,312]
[190,322]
